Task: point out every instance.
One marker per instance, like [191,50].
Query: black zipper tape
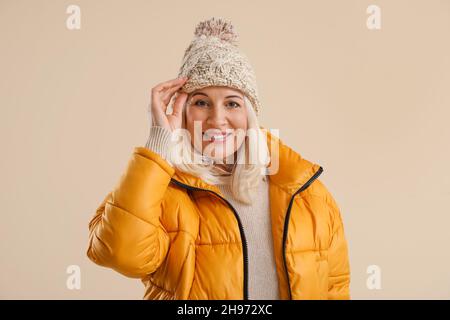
[286,223]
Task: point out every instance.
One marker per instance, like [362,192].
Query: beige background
[371,107]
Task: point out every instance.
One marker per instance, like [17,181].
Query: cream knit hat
[213,59]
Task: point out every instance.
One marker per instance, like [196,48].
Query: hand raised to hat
[161,96]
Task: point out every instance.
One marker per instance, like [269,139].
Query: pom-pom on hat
[214,59]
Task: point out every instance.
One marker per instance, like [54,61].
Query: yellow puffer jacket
[185,241]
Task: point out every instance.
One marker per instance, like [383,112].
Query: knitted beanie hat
[213,59]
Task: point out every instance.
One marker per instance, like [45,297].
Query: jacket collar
[292,170]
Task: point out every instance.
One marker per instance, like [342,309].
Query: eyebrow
[201,93]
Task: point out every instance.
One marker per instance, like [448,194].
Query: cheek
[194,116]
[239,121]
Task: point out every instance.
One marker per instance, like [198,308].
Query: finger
[159,95]
[167,95]
[168,84]
[179,103]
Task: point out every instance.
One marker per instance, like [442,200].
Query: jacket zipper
[241,230]
[286,223]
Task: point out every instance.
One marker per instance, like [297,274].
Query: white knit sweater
[255,218]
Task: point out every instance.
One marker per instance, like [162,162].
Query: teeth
[217,137]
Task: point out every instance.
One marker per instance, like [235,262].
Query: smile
[216,137]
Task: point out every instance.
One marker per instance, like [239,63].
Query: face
[216,118]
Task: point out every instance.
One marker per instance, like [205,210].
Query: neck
[227,168]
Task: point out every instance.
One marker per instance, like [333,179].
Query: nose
[217,118]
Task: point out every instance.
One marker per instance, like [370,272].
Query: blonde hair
[251,163]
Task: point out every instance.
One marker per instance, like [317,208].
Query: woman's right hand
[161,97]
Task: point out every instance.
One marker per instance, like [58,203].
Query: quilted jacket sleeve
[338,260]
[125,233]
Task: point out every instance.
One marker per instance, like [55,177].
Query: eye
[201,103]
[234,105]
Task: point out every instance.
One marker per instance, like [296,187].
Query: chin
[219,153]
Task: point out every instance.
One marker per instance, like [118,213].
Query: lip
[221,140]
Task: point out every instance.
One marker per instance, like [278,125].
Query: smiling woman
[232,225]
[219,127]
[220,112]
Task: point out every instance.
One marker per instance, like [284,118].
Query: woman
[214,206]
